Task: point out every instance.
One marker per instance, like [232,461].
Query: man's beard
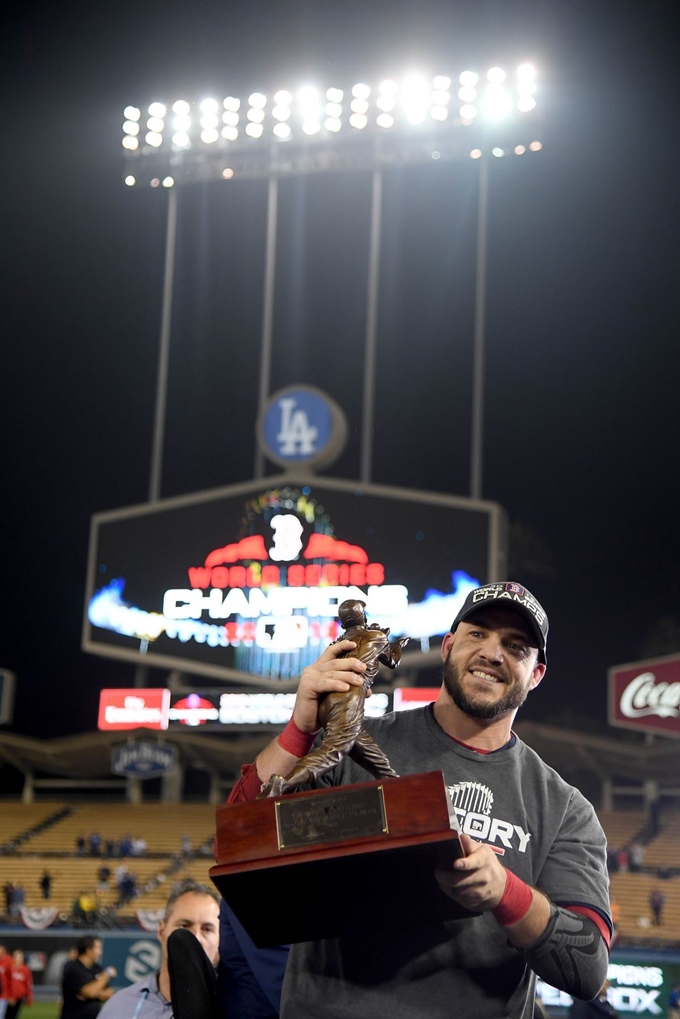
[478,708]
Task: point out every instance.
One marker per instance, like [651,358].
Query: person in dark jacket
[249,978]
[46,884]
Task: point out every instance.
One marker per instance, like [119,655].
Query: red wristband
[295,741]
[515,901]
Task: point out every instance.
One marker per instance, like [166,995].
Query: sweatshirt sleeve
[575,874]
[248,786]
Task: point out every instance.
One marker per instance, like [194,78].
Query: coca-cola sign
[646,696]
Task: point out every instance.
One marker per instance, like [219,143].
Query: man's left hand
[477,879]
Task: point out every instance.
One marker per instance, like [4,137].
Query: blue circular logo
[301,424]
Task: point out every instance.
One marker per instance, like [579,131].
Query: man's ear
[446,645]
[537,675]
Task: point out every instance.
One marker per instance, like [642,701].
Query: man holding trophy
[533,873]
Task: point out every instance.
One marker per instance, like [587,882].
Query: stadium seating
[162,826]
[72,875]
[631,893]
[621,826]
[663,851]
[18,818]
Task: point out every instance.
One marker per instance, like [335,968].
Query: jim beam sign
[646,696]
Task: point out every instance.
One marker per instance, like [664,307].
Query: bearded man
[534,868]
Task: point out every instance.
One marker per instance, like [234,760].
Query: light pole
[371,336]
[163,351]
[479,339]
[364,128]
[267,308]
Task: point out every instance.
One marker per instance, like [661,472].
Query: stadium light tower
[415,120]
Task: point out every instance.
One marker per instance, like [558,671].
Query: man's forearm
[283,753]
[571,954]
[95,987]
[274,760]
[532,925]
[566,949]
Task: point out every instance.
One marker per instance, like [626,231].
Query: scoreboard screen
[243,583]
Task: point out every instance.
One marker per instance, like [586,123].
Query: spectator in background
[121,872]
[130,885]
[637,855]
[655,818]
[20,989]
[18,901]
[125,847]
[674,1002]
[88,906]
[8,892]
[110,848]
[185,849]
[5,967]
[95,843]
[127,886]
[624,860]
[103,878]
[76,913]
[45,883]
[84,984]
[192,908]
[80,845]
[71,956]
[657,901]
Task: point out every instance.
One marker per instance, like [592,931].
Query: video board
[244,583]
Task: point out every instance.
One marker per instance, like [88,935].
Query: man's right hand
[326,674]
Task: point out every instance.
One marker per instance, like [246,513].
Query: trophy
[299,866]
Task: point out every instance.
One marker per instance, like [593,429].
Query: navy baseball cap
[509,595]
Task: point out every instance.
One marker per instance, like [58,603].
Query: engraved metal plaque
[332,817]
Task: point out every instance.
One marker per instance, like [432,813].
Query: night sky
[583,360]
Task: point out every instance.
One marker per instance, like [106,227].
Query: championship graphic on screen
[250,583]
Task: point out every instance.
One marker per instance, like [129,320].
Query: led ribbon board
[244,582]
[242,710]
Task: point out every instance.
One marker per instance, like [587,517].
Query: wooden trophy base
[327,863]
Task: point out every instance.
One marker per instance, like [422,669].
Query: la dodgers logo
[296,435]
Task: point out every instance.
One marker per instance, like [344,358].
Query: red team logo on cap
[515,589]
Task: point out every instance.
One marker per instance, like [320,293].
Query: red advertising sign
[406,697]
[646,696]
[134,709]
